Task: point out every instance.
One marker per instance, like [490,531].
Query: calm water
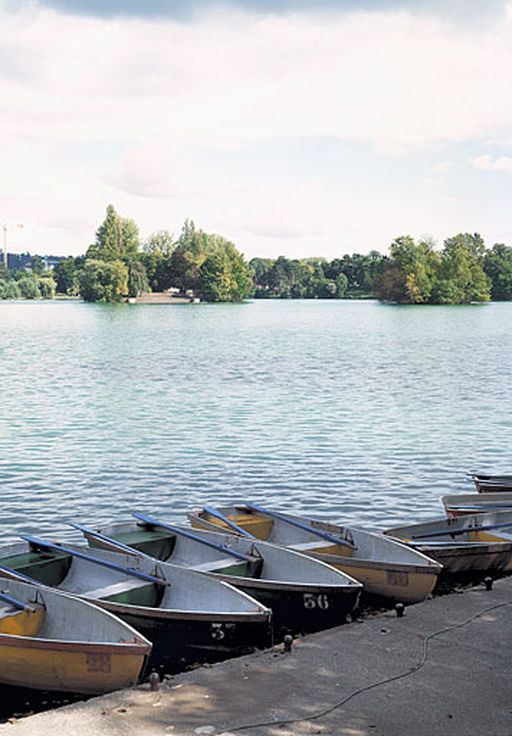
[341,410]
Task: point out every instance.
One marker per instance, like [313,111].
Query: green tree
[341,285]
[105,281]
[156,257]
[137,278]
[66,274]
[410,272]
[498,267]
[29,287]
[9,290]
[460,277]
[190,253]
[117,238]
[225,275]
[47,287]
[37,264]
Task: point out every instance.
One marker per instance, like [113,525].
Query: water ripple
[343,410]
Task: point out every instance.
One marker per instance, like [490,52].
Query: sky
[297,128]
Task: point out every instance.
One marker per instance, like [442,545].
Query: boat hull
[180,640]
[77,667]
[300,610]
[477,561]
[404,583]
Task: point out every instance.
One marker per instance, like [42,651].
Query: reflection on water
[345,410]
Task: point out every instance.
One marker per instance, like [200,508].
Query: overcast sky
[296,128]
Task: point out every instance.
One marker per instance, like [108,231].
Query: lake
[343,410]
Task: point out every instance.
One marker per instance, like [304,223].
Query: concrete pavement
[443,669]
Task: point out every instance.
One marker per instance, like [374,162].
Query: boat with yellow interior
[385,568]
[52,641]
[472,545]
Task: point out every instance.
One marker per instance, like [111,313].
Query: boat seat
[213,565]
[123,586]
[317,544]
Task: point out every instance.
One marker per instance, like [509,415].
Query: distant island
[202,266]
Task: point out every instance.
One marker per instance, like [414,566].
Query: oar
[108,540]
[301,525]
[218,515]
[15,603]
[185,533]
[11,573]
[453,543]
[449,532]
[89,558]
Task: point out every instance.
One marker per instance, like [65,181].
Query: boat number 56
[316,601]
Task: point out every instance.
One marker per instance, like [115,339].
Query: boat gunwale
[119,647]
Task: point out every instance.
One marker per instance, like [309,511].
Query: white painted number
[316,601]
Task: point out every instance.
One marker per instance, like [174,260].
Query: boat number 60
[316,601]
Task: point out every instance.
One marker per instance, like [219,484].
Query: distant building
[19,261]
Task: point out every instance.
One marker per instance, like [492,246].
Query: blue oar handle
[108,540]
[190,535]
[218,515]
[11,573]
[449,532]
[301,525]
[130,571]
[15,603]
[452,543]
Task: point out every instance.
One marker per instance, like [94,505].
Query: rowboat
[189,617]
[385,567]
[491,483]
[476,503]
[304,594]
[52,641]
[470,545]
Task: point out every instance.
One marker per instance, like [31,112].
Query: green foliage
[37,265]
[460,274]
[29,287]
[104,281]
[224,274]
[160,242]
[66,275]
[156,257]
[117,239]
[417,274]
[498,267]
[9,290]
[315,278]
[137,278]
[47,287]
[191,250]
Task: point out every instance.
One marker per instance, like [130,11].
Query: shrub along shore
[118,266]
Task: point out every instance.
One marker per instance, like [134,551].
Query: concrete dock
[443,669]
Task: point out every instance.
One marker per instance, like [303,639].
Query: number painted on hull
[98,662]
[316,601]
[398,579]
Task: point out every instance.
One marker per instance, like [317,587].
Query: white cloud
[488,163]
[164,91]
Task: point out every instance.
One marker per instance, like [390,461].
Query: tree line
[463,271]
[118,265]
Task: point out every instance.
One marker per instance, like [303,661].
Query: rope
[366,688]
